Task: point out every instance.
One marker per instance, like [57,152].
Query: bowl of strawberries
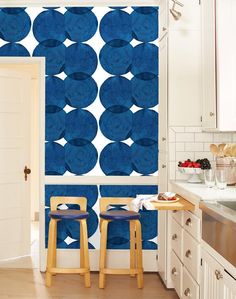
[192,169]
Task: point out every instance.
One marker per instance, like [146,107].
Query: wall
[192,143]
[101,96]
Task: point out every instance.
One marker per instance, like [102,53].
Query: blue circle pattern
[80,93]
[49,25]
[115,159]
[81,127]
[116,126]
[55,94]
[58,56]
[55,165]
[14,49]
[118,94]
[80,27]
[14,25]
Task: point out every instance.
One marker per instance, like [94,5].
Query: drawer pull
[218,274]
[188,222]
[174,271]
[174,237]
[187,292]
[188,253]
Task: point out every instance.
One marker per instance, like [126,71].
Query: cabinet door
[226,64]
[211,280]
[229,286]
[184,73]
[208,65]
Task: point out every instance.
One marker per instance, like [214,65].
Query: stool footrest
[119,271]
[68,270]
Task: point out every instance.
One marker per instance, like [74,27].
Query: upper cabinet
[219,65]
[184,65]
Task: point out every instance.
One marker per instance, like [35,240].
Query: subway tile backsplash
[192,143]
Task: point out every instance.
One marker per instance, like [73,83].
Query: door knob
[26,172]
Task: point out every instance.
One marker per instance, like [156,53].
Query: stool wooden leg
[83,224]
[103,247]
[51,250]
[81,246]
[139,254]
[55,248]
[132,246]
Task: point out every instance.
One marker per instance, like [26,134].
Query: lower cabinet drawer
[178,216]
[191,255]
[176,273]
[192,224]
[190,287]
[177,238]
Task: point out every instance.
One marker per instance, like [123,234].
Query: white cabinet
[219,65]
[185,253]
[216,283]
[184,65]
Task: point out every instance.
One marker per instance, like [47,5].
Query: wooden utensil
[227,151]
[214,150]
[233,150]
[221,149]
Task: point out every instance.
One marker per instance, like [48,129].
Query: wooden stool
[136,264]
[77,215]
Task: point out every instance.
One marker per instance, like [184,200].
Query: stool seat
[68,214]
[119,215]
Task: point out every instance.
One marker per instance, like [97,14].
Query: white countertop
[210,196]
[198,192]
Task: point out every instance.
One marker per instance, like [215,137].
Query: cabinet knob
[163,165]
[188,222]
[188,253]
[174,237]
[164,28]
[187,292]
[212,114]
[174,271]
[163,139]
[218,274]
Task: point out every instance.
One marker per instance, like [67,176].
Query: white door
[14,156]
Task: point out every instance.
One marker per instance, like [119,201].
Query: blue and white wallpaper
[118,232]
[101,102]
[101,84]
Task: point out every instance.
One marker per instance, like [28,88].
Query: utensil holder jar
[228,163]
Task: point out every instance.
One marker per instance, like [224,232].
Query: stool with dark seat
[77,215]
[136,264]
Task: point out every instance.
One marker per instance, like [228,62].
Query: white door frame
[40,62]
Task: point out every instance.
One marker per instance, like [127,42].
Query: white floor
[27,262]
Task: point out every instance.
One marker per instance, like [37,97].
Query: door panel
[15,91]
